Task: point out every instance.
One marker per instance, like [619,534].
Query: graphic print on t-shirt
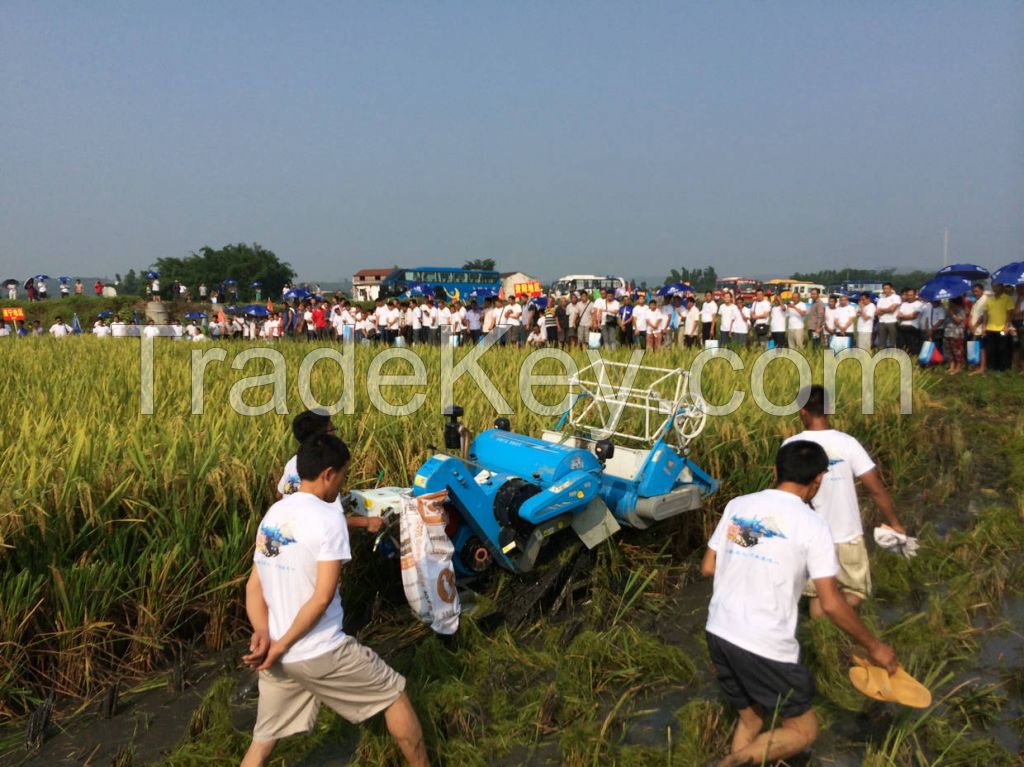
[291,484]
[749,532]
[270,539]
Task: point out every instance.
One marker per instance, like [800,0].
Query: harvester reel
[690,422]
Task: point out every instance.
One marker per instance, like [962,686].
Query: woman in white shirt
[691,323]
[741,327]
[796,310]
[640,320]
[830,320]
[657,321]
[865,322]
[777,322]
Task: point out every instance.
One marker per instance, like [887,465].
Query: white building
[366,283]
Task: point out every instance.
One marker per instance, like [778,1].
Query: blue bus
[444,282]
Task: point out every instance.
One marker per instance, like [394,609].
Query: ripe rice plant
[124,535]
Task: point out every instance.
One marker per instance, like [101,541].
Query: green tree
[911,279]
[242,262]
[699,279]
[131,285]
[485,264]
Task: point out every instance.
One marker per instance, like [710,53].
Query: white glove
[890,540]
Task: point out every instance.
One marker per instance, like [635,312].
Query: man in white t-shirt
[394,321]
[474,321]
[303,656]
[598,312]
[908,330]
[777,322]
[836,500]
[151,330]
[729,316]
[760,316]
[845,316]
[380,318]
[444,320]
[100,329]
[761,554]
[691,323]
[641,315]
[708,317]
[606,312]
[865,322]
[514,313]
[585,319]
[59,328]
[885,313]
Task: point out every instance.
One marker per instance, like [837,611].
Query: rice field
[126,537]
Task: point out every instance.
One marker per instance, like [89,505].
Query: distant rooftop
[365,273]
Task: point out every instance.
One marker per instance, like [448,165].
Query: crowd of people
[989,318]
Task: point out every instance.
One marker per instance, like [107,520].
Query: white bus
[591,283]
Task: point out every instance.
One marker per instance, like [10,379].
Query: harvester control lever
[452,431]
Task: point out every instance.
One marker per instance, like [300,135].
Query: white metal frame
[669,412]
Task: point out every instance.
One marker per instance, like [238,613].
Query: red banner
[527,289]
[14,313]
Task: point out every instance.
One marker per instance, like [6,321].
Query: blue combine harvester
[617,458]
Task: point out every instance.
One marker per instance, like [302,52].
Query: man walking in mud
[836,500]
[764,549]
[303,656]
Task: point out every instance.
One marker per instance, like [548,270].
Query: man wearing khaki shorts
[303,657]
[836,499]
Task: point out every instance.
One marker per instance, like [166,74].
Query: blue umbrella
[104,315]
[63,280]
[539,302]
[76,326]
[152,275]
[297,293]
[231,309]
[255,310]
[675,289]
[257,284]
[195,316]
[41,277]
[967,271]
[230,282]
[944,287]
[1011,274]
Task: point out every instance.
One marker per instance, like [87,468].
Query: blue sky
[555,137]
